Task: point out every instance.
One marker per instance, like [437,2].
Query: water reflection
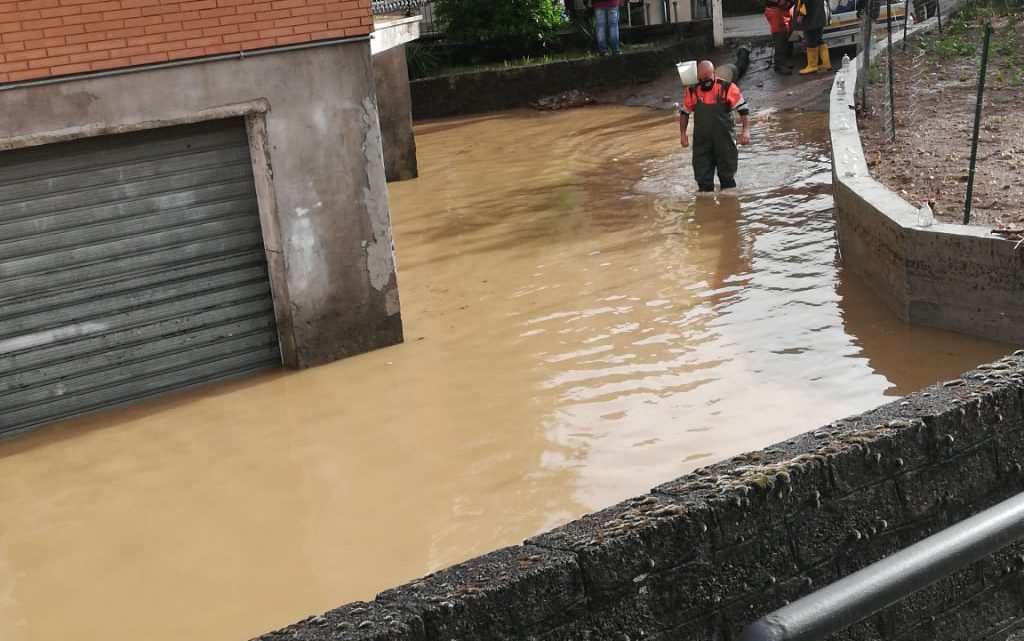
[910,357]
[579,328]
[718,218]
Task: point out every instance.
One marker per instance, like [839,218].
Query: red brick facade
[43,38]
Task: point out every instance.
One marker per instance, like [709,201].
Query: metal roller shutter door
[130,266]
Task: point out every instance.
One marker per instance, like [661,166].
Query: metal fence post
[977,124]
[867,23]
[906,21]
[892,79]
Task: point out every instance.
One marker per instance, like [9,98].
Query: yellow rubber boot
[826,64]
[812,61]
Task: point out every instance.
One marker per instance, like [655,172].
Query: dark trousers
[715,154]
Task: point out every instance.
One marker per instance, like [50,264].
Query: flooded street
[579,327]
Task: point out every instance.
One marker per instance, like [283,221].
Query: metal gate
[130,266]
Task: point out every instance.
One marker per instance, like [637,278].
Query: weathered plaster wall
[391,78]
[338,291]
[950,276]
[701,557]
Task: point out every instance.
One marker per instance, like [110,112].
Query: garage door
[130,266]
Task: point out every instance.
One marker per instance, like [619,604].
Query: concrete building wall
[394,102]
[45,38]
[317,157]
[391,78]
[701,557]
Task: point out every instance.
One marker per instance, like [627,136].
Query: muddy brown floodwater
[579,328]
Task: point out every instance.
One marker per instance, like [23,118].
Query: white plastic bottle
[846,61]
[925,217]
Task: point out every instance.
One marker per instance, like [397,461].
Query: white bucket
[687,72]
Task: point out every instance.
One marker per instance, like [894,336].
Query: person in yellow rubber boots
[809,16]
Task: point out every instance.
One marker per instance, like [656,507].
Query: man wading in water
[712,102]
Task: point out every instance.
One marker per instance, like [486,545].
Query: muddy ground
[935,86]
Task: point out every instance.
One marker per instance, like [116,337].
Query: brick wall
[701,557]
[44,38]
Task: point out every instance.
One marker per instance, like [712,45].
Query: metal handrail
[861,594]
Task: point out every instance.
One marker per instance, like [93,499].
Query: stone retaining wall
[701,557]
[483,91]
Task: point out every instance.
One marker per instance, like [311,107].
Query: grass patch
[962,39]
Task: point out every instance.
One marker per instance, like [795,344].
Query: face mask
[707,84]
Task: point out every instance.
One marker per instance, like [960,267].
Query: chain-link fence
[424,8]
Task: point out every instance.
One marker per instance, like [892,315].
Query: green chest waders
[714,144]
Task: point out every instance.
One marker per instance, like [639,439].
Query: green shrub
[421,59]
[501,28]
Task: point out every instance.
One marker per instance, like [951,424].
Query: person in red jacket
[778,14]
[606,17]
[712,102]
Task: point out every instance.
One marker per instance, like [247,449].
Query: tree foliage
[501,28]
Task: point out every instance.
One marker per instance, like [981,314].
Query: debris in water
[565,100]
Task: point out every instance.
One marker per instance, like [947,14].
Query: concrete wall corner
[955,277]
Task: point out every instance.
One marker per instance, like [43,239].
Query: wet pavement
[764,89]
[746,27]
